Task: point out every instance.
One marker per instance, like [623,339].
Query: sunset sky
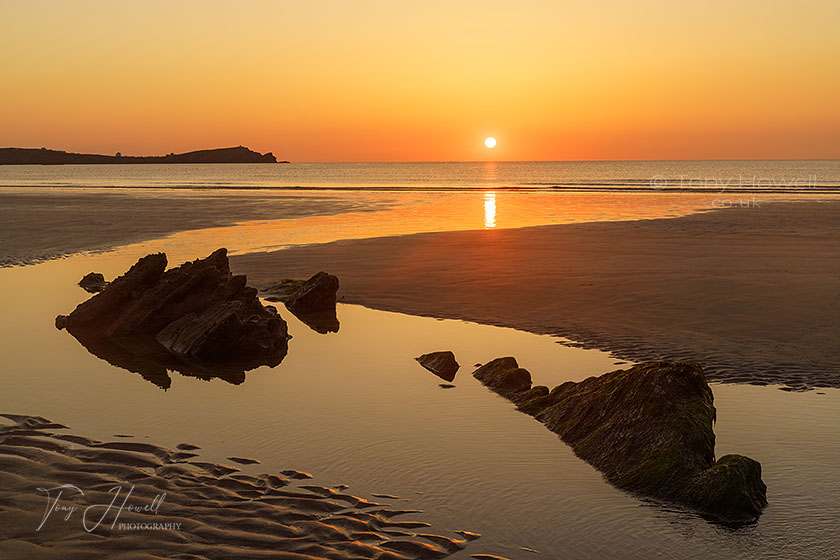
[426,80]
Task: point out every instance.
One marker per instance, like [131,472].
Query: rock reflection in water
[322,322]
[154,362]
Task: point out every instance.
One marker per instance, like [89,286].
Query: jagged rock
[442,364]
[93,282]
[197,318]
[648,429]
[222,330]
[315,295]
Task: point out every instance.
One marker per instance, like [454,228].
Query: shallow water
[355,408]
[386,214]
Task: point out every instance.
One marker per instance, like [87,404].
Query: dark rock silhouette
[315,295]
[93,282]
[312,301]
[504,376]
[442,364]
[647,428]
[28,156]
[197,319]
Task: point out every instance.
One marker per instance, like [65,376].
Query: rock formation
[504,376]
[93,282]
[197,318]
[442,364]
[315,295]
[312,301]
[647,428]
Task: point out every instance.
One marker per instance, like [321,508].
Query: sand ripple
[153,502]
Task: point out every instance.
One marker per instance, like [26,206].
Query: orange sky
[426,80]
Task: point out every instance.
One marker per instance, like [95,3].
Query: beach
[354,408]
[396,282]
[751,293]
[43,224]
[167,501]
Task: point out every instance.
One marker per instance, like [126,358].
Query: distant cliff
[28,156]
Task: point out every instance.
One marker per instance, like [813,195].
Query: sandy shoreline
[751,293]
[45,224]
[171,502]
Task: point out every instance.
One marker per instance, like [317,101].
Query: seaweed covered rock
[442,364]
[648,429]
[198,312]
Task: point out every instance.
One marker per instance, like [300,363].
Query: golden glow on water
[426,213]
[489,210]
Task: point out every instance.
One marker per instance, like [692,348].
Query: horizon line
[437,161]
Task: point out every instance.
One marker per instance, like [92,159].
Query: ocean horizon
[758,176]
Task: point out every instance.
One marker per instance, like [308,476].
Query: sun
[490,142]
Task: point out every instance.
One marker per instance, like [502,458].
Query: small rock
[93,282]
[442,364]
[316,294]
[504,376]
[60,321]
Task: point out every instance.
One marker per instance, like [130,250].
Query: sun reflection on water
[489,210]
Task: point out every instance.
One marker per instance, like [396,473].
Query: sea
[759,176]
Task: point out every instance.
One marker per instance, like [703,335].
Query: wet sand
[170,503]
[42,224]
[751,293]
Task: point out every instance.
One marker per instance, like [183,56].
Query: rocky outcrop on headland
[43,156]
[442,364]
[648,429]
[197,318]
